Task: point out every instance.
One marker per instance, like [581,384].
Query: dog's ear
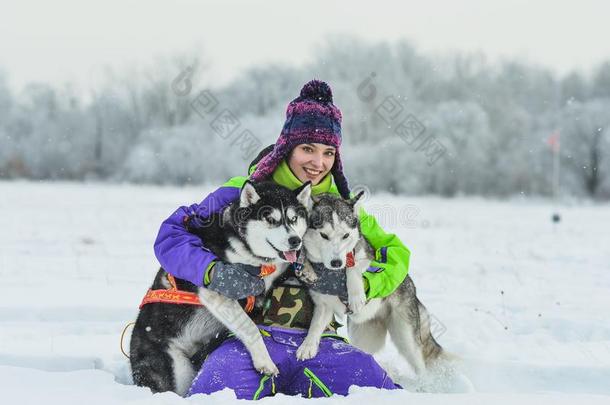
[303,194]
[248,195]
[355,202]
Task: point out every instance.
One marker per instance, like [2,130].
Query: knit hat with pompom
[310,118]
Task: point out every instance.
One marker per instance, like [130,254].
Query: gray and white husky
[169,341]
[334,233]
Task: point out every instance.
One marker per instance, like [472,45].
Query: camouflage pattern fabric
[289,305]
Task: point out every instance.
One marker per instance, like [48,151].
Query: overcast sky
[69,40]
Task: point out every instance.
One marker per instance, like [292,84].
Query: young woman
[306,150]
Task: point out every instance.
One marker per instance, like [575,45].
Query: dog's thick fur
[333,232]
[170,341]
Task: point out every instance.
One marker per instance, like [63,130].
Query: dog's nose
[336,263]
[294,242]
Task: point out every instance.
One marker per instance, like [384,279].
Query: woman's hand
[326,281]
[235,280]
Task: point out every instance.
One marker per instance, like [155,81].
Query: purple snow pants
[336,367]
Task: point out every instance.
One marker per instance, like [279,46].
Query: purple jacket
[185,256]
[181,253]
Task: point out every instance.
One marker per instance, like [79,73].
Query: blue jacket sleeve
[181,253]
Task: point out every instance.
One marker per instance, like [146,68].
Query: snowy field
[523,303]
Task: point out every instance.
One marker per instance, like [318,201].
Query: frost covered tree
[586,142]
[492,119]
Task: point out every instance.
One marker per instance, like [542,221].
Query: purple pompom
[317,90]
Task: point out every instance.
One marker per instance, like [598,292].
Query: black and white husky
[333,233]
[169,341]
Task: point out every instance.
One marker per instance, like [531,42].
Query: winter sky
[71,40]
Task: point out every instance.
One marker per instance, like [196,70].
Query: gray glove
[328,281]
[236,281]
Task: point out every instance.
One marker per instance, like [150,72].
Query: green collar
[284,177]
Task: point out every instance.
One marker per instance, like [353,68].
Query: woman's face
[311,161]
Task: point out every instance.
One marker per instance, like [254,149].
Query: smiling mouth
[312,172]
[288,255]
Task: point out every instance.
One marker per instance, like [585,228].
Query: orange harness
[173,295]
[170,296]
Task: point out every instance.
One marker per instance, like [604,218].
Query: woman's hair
[260,155]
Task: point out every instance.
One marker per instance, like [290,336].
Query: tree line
[412,123]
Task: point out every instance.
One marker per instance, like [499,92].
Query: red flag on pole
[553,141]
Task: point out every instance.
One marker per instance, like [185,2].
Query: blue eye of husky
[323,235]
[292,220]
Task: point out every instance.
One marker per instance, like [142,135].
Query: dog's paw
[266,366]
[307,274]
[309,278]
[307,350]
[356,303]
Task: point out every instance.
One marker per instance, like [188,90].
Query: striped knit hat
[310,118]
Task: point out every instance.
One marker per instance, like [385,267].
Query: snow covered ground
[525,304]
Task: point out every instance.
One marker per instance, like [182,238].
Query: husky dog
[169,341]
[333,236]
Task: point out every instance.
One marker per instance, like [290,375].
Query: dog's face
[333,230]
[275,219]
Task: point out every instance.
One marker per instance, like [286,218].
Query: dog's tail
[430,328]
[450,357]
